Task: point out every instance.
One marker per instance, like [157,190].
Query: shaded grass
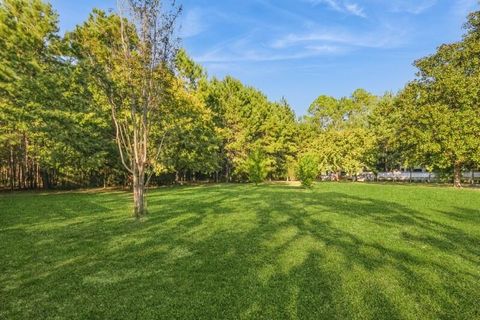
[338,251]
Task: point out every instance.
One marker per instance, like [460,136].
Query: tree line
[117,102]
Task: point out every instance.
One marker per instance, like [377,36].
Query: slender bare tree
[148,47]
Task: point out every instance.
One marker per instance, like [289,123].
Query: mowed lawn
[338,251]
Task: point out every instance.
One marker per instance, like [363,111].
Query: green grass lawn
[338,251]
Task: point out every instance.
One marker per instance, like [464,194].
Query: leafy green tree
[340,135]
[279,140]
[347,150]
[244,120]
[439,110]
[49,131]
[193,143]
[192,74]
[29,45]
[256,166]
[307,169]
[385,122]
[131,60]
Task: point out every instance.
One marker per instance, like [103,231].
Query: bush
[256,167]
[307,170]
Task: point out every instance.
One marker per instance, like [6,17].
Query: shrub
[256,167]
[307,170]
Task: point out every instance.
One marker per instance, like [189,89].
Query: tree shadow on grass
[274,252]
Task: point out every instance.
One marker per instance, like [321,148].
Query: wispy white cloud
[412,6]
[254,55]
[387,38]
[334,4]
[193,23]
[341,6]
[289,14]
[247,48]
[355,9]
[303,41]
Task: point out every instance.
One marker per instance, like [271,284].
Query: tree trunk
[37,175]
[457,175]
[12,169]
[26,173]
[139,207]
[45,179]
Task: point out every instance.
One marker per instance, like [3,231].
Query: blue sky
[300,49]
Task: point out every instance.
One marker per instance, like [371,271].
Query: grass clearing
[337,251]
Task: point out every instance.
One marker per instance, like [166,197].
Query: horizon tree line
[117,102]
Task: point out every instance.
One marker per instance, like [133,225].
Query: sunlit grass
[338,251]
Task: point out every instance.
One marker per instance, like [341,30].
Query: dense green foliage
[307,169]
[209,125]
[49,124]
[341,135]
[337,251]
[56,125]
[440,111]
[256,166]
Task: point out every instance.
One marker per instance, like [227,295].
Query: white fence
[420,176]
[405,176]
